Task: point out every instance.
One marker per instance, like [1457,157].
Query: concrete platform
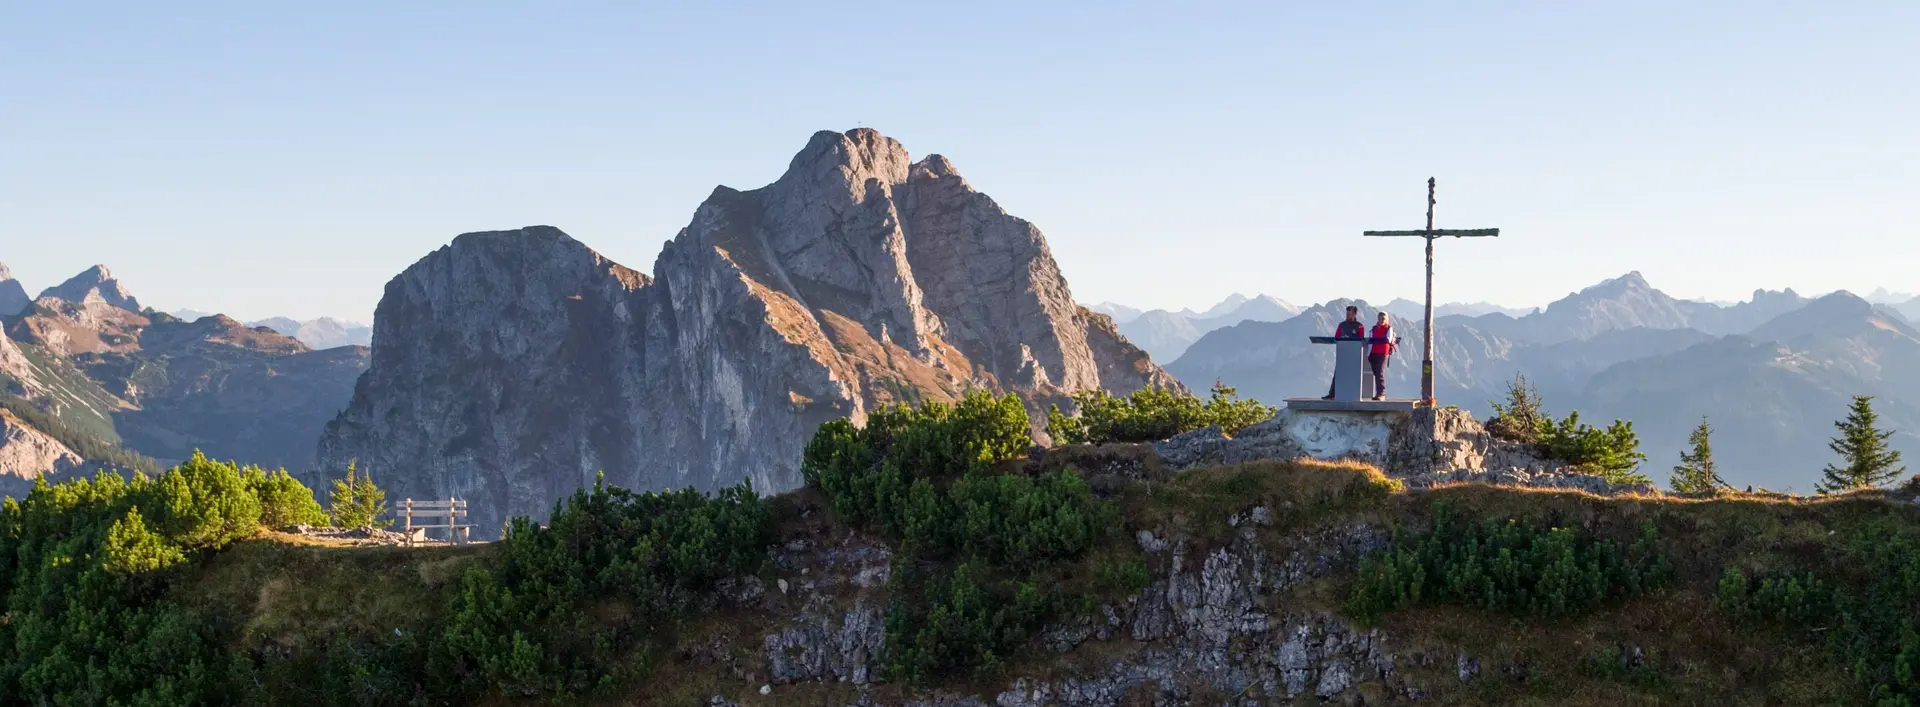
[1318,405]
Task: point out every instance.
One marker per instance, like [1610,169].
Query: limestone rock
[27,454]
[1425,447]
[95,284]
[16,372]
[513,366]
[13,297]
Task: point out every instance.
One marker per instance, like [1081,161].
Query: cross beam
[1430,233]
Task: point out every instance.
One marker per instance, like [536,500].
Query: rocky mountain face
[165,387]
[13,297]
[27,454]
[514,366]
[1166,335]
[95,284]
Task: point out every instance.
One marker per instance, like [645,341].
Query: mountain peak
[1631,281]
[13,297]
[1226,306]
[851,159]
[95,284]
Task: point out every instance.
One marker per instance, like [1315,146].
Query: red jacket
[1384,333]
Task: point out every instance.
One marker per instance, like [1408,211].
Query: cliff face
[510,367]
[13,297]
[27,454]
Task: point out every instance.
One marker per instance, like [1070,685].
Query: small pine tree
[1867,462]
[357,502]
[1696,474]
[1522,416]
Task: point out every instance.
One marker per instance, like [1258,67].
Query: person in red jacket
[1381,347]
[1349,328]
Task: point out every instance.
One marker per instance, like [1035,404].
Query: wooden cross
[1426,360]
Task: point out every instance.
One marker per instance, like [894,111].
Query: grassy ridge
[1568,598]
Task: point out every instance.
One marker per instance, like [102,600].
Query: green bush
[525,623]
[869,471]
[963,621]
[284,501]
[1508,566]
[1152,414]
[974,545]
[84,567]
[1613,453]
[1861,608]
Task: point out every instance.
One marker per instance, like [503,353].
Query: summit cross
[1426,360]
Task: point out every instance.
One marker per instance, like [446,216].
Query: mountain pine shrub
[535,622]
[975,544]
[1861,606]
[1507,566]
[1149,415]
[1612,453]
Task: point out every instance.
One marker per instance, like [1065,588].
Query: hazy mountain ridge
[164,387]
[1772,372]
[1165,334]
[321,333]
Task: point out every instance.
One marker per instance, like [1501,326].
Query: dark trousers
[1379,364]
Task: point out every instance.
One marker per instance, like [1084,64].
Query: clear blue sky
[289,158]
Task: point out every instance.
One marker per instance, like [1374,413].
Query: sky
[287,159]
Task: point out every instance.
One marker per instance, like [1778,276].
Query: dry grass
[288,590]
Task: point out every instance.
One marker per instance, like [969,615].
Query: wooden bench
[421,516]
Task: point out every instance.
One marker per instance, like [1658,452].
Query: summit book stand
[1351,380]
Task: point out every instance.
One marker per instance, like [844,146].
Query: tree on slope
[1696,474]
[1866,460]
[357,502]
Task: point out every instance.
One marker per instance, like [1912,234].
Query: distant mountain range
[1771,373]
[86,379]
[1166,334]
[322,333]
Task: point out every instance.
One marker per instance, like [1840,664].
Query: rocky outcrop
[73,327]
[13,297]
[95,284]
[513,366]
[27,454]
[1423,448]
[16,372]
[1212,624]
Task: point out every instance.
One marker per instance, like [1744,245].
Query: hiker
[1351,328]
[1382,347]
